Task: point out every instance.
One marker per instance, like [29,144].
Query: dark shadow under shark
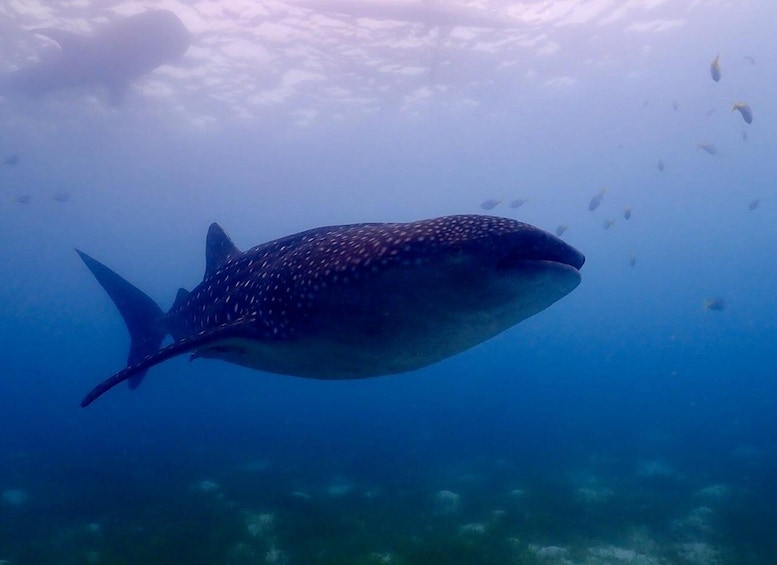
[112,57]
[352,301]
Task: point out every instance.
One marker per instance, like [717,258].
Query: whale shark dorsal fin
[180,297]
[67,40]
[218,249]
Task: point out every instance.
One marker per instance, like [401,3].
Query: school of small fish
[12,160]
[707,147]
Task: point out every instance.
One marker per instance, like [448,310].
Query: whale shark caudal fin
[143,317]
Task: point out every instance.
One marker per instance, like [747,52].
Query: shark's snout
[534,244]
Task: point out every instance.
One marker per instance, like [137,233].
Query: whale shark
[348,301]
[112,57]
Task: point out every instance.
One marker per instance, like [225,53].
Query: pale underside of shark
[350,301]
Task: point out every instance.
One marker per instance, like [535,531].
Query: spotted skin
[362,300]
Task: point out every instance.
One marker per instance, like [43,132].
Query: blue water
[627,423]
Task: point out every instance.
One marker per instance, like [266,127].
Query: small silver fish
[491,203]
[632,260]
[744,135]
[716,304]
[744,109]
[660,165]
[517,203]
[22,199]
[607,224]
[754,204]
[707,147]
[751,59]
[560,229]
[627,212]
[596,200]
[60,196]
[11,160]
[715,68]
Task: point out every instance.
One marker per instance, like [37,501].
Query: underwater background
[632,422]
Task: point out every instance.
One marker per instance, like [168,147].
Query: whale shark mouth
[542,247]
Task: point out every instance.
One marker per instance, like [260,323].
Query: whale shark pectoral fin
[186,345]
[217,351]
[67,40]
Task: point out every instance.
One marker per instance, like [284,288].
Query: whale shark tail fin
[144,319]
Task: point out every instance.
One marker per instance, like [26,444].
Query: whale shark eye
[456,249]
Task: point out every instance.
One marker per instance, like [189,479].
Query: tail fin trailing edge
[141,314]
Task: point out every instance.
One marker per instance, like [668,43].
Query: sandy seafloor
[352,506]
[631,423]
